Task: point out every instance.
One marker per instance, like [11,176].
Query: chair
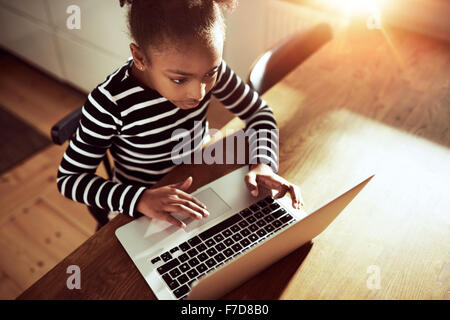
[273,65]
[270,67]
[62,131]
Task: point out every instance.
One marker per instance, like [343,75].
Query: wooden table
[368,102]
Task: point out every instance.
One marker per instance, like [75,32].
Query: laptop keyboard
[217,245]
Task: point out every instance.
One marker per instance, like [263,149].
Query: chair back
[272,66]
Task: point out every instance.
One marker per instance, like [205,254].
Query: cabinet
[36,30]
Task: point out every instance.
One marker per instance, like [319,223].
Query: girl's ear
[138,56]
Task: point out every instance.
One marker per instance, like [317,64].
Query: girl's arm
[76,179]
[261,127]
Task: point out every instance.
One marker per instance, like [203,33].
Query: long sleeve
[244,102]
[76,179]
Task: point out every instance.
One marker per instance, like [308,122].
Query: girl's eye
[178,81]
[211,74]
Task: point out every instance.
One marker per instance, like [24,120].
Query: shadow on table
[270,283]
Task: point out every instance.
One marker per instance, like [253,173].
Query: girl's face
[183,74]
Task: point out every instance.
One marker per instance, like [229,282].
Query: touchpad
[215,205]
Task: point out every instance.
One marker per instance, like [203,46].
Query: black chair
[270,67]
[274,64]
[62,131]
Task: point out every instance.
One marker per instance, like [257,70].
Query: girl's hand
[160,202]
[261,180]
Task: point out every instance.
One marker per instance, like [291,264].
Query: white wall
[36,30]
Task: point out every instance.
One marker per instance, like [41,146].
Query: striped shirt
[137,125]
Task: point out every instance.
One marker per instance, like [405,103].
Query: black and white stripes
[137,125]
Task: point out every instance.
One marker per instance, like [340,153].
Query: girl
[176,66]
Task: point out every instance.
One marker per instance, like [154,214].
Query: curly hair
[153,22]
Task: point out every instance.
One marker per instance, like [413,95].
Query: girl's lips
[190,105]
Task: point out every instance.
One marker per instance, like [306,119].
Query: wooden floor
[38,227]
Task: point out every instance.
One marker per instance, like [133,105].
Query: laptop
[242,236]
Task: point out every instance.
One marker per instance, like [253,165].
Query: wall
[36,31]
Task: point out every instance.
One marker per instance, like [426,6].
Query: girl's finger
[186,196]
[193,206]
[171,219]
[183,210]
[293,196]
[281,193]
[252,185]
[166,216]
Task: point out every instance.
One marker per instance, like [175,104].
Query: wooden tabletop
[368,102]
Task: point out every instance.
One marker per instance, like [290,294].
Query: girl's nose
[198,92]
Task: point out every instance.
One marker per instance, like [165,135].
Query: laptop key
[155,260]
[243,224]
[219,257]
[246,212]
[181,291]
[269,228]
[210,242]
[192,273]
[258,215]
[261,232]
[235,228]
[185,246]
[274,206]
[211,252]
[276,223]
[184,257]
[192,252]
[201,268]
[261,223]
[194,241]
[262,203]
[269,200]
[184,267]
[173,284]
[286,218]
[237,237]
[220,227]
[245,232]
[193,262]
[167,278]
[266,210]
[168,266]
[237,247]
[227,233]
[166,256]
[253,227]
[228,242]
[175,249]
[218,238]
[174,273]
[251,219]
[201,247]
[269,218]
[253,237]
[279,213]
[220,247]
[245,242]
[211,262]
[228,252]
[254,207]
[202,256]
